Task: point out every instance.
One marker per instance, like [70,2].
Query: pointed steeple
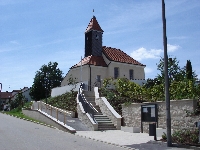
[93,25]
[93,38]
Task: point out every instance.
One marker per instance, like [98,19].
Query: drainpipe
[90,79]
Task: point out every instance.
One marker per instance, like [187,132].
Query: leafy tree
[174,71]
[48,77]
[18,102]
[72,81]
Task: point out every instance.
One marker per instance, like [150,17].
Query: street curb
[30,120]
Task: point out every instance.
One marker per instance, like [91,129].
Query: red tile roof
[92,60]
[93,25]
[118,55]
[5,95]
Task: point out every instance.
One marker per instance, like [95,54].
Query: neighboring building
[5,97]
[102,62]
[25,92]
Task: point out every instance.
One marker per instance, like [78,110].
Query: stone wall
[85,118]
[109,111]
[179,118]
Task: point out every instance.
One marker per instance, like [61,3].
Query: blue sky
[35,32]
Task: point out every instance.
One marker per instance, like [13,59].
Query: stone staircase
[104,123]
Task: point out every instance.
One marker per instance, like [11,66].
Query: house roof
[91,60]
[93,25]
[112,54]
[5,95]
[16,90]
[118,55]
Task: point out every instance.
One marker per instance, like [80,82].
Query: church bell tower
[93,39]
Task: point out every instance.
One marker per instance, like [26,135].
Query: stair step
[100,129]
[106,118]
[107,125]
[106,129]
[97,118]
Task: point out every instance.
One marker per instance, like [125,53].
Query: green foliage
[27,105]
[17,112]
[18,102]
[189,74]
[164,136]
[72,81]
[174,70]
[125,92]
[182,85]
[48,77]
[185,136]
[65,101]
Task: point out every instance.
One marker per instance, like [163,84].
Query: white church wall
[138,71]
[67,88]
[75,73]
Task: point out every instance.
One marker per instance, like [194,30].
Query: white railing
[50,109]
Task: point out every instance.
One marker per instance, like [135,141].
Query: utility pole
[0,94]
[167,97]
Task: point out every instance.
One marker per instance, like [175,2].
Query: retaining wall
[179,118]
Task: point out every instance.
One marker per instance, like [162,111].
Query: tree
[174,71]
[48,77]
[189,73]
[19,101]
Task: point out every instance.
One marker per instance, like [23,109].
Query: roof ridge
[118,55]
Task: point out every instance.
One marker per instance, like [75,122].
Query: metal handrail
[88,108]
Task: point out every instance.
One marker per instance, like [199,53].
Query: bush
[186,136]
[65,101]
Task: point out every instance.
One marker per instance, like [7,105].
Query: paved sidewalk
[141,141]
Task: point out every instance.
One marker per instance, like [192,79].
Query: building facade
[102,62]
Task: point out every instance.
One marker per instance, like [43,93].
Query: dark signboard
[149,113]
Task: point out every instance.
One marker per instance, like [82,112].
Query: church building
[102,62]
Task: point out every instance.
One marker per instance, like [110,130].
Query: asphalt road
[18,134]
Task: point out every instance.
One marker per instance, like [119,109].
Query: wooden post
[57,114]
[46,107]
[64,117]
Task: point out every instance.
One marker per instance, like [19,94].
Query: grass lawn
[17,112]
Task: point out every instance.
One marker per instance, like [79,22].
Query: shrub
[186,136]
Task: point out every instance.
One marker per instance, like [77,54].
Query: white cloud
[14,42]
[148,70]
[143,53]
[172,48]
